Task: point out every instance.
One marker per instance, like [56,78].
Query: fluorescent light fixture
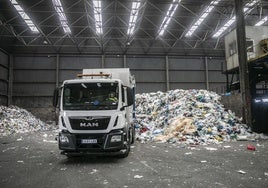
[265,100]
[97,16]
[257,100]
[63,20]
[24,16]
[166,20]
[223,28]
[262,21]
[133,16]
[247,9]
[249,6]
[202,17]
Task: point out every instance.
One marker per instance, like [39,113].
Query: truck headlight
[64,139]
[116,138]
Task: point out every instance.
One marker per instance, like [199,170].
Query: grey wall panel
[36,62]
[68,74]
[3,73]
[3,87]
[146,63]
[39,106]
[149,76]
[114,62]
[186,64]
[80,62]
[187,86]
[187,76]
[36,89]
[34,75]
[33,102]
[3,59]
[150,87]
[3,100]
[216,76]
[217,87]
[215,64]
[3,78]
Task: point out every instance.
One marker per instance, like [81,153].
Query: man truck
[96,112]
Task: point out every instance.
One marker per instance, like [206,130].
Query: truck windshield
[90,96]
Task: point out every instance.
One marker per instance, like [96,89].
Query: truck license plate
[89,141]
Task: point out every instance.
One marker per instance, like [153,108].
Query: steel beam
[167,74]
[10,79]
[57,70]
[243,65]
[207,75]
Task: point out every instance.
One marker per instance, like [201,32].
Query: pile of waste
[186,116]
[17,120]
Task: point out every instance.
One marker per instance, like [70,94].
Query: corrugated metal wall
[36,77]
[3,78]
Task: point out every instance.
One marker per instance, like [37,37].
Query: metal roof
[16,37]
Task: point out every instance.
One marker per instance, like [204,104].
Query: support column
[10,79]
[207,78]
[102,61]
[57,70]
[167,74]
[243,65]
[125,61]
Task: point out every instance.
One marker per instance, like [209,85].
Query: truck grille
[89,122]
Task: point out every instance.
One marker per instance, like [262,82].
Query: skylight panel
[247,9]
[223,28]
[133,16]
[262,21]
[172,8]
[63,20]
[24,16]
[202,17]
[97,16]
[249,6]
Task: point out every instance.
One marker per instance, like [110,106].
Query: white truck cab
[96,112]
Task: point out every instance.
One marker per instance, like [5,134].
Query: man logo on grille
[89,124]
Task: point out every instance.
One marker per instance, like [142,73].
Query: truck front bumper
[92,143]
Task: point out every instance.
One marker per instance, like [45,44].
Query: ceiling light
[167,18]
[63,20]
[24,16]
[247,9]
[262,21]
[202,17]
[133,16]
[97,16]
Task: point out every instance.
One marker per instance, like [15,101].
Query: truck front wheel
[132,132]
[125,152]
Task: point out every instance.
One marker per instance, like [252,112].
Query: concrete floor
[33,160]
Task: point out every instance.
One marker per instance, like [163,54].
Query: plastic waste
[17,120]
[190,117]
[251,147]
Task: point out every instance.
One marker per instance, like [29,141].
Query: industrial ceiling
[115,38]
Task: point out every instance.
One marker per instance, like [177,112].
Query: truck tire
[126,153]
[133,133]
[127,145]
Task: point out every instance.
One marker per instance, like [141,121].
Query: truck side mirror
[129,96]
[55,97]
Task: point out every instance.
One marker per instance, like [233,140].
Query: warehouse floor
[33,160]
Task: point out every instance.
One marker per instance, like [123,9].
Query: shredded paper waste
[17,120]
[186,116]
